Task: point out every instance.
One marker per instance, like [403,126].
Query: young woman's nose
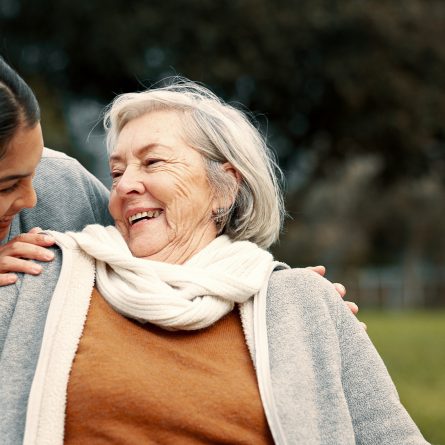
[27,198]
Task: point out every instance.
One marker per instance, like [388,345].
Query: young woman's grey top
[68,197]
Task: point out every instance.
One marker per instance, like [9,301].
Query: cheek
[189,190]
[6,204]
[191,204]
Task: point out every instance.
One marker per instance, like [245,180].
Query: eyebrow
[139,151]
[13,177]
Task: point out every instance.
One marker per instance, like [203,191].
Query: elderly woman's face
[160,200]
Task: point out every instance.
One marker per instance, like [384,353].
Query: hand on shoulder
[341,290]
[17,255]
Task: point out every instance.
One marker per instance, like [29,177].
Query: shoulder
[58,173]
[302,292]
[48,153]
[57,164]
[53,157]
[298,281]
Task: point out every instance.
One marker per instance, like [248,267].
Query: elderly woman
[177,325]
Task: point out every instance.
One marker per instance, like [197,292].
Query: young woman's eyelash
[10,189]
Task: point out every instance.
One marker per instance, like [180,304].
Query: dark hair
[18,105]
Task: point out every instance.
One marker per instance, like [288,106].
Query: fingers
[321,270]
[14,258]
[28,246]
[7,278]
[36,230]
[25,250]
[15,255]
[11,264]
[340,289]
[352,307]
[39,239]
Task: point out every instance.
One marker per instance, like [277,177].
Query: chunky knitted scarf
[189,296]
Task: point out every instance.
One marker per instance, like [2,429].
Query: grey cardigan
[320,378]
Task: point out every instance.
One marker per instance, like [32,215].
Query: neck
[180,251]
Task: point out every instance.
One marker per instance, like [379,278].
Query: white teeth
[150,214]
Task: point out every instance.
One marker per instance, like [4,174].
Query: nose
[28,198]
[130,182]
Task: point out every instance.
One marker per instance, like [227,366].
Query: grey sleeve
[99,198]
[8,301]
[69,197]
[23,312]
[377,413]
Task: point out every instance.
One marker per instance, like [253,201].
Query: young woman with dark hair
[68,197]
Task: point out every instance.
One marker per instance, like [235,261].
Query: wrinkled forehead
[149,127]
[158,134]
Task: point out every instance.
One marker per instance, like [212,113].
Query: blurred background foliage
[350,93]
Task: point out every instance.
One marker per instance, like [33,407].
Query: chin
[140,251]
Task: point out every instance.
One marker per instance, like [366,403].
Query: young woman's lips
[6,221]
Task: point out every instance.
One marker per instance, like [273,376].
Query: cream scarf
[176,297]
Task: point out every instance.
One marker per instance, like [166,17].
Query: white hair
[221,133]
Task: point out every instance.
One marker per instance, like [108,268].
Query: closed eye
[10,189]
[149,162]
[115,175]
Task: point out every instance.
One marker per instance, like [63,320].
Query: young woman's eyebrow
[13,177]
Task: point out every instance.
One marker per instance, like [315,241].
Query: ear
[231,170]
[235,178]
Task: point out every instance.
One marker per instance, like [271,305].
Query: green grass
[412,345]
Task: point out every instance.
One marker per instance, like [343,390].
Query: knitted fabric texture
[176,297]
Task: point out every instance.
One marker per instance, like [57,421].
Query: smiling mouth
[6,219]
[133,219]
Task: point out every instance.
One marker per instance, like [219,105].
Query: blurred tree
[353,94]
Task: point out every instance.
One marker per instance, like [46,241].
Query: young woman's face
[161,200]
[17,169]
